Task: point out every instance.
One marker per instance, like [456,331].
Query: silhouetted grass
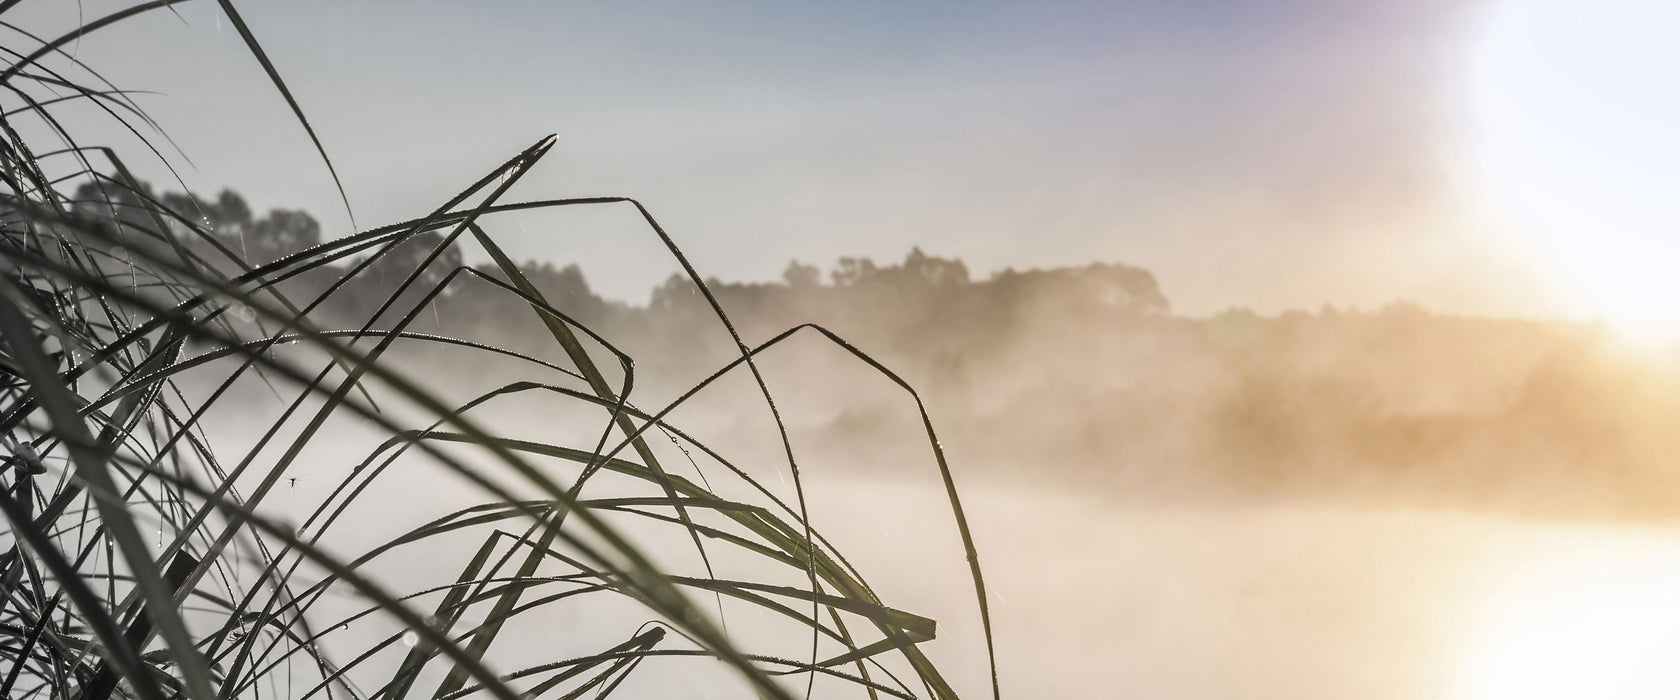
[106,306]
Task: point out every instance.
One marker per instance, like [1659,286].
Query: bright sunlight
[1577,131]
[1597,620]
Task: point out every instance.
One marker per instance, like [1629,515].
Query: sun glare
[1576,114]
[1601,621]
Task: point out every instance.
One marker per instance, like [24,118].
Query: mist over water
[1297,546]
[1339,503]
[1387,501]
[1099,596]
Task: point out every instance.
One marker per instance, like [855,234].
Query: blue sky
[1274,154]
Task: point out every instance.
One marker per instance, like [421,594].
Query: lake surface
[1096,595]
[1096,600]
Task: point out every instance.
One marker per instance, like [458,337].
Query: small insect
[293,480]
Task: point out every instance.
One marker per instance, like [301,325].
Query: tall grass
[108,306]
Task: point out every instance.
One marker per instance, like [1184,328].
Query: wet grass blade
[257,51]
[92,469]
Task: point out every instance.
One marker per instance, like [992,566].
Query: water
[1095,595]
[1097,600]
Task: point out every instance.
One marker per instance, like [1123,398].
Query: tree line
[1084,373]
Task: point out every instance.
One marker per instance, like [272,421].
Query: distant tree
[282,232]
[369,289]
[1132,289]
[149,220]
[1101,287]
[1235,328]
[567,289]
[801,277]
[918,272]
[260,241]
[228,217]
[231,209]
[852,271]
[392,267]
[104,199]
[559,285]
[923,270]
[677,292]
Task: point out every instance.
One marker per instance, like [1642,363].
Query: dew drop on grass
[410,638]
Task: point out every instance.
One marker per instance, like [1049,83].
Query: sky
[1271,154]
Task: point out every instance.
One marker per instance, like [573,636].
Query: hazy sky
[1281,153]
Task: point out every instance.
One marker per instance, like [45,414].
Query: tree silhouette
[281,232]
[228,217]
[801,277]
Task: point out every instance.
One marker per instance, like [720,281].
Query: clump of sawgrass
[108,305]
